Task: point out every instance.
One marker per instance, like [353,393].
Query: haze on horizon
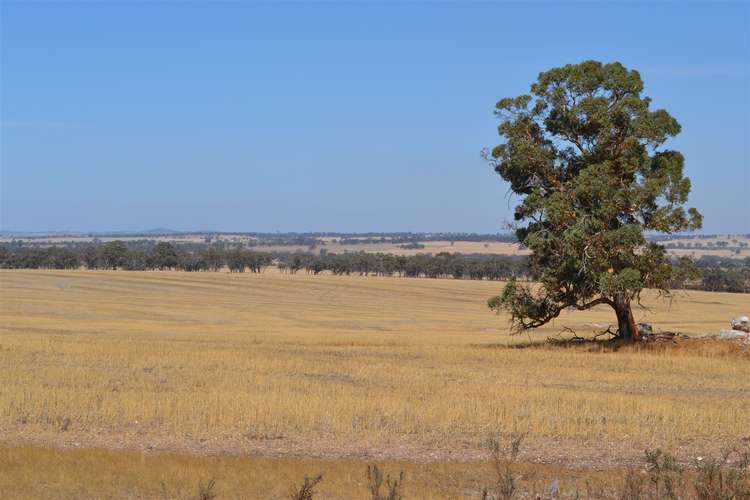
[348,117]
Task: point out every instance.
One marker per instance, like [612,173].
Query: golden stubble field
[340,368]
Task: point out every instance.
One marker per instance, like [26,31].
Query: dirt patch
[591,454]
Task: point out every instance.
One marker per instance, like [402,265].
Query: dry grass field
[294,368]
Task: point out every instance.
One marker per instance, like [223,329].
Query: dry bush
[723,479]
[207,491]
[503,458]
[663,479]
[307,490]
[376,481]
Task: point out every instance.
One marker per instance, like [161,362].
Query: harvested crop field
[296,367]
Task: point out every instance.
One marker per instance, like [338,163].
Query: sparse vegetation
[658,476]
[207,490]
[505,486]
[724,478]
[384,487]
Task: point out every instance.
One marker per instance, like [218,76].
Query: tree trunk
[625,321]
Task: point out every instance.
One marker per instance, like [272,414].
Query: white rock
[741,323]
[733,334]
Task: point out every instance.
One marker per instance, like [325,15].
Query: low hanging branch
[535,312]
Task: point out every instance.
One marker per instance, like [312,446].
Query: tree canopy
[584,153]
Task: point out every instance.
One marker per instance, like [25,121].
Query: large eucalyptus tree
[584,153]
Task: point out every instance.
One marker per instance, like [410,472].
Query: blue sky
[332,116]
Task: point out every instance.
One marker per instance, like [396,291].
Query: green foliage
[683,270]
[583,154]
[164,256]
[112,255]
[736,280]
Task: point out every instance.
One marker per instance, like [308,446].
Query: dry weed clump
[307,490]
[662,478]
[376,481]
[503,459]
[207,491]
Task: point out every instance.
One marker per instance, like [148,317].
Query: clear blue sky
[332,116]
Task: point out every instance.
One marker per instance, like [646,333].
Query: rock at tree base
[734,334]
[645,329]
[741,323]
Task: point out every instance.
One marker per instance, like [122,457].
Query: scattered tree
[583,153]
[164,256]
[112,255]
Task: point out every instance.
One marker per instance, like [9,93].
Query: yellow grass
[338,366]
[51,473]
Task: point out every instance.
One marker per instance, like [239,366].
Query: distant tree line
[442,265]
[710,273]
[118,255]
[306,241]
[664,237]
[278,239]
[734,246]
[412,246]
[165,256]
[317,238]
[716,279]
[722,274]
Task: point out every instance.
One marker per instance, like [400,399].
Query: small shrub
[714,479]
[665,474]
[717,480]
[307,490]
[632,487]
[503,458]
[63,423]
[392,486]
[206,491]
